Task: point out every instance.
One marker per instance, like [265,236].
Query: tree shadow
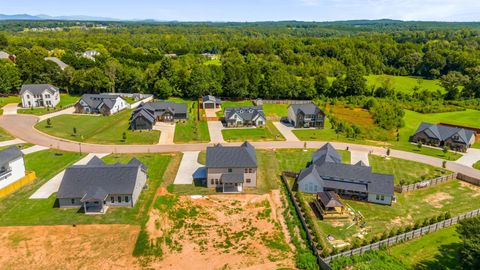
[448,258]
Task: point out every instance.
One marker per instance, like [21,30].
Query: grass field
[477,165]
[10,99]
[410,171]
[404,84]
[435,251]
[453,196]
[5,136]
[357,116]
[98,129]
[267,133]
[192,130]
[65,100]
[17,209]
[275,110]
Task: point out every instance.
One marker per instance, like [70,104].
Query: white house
[12,166]
[90,54]
[39,95]
[101,103]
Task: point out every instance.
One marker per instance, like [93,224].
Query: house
[12,166]
[97,186]
[147,114]
[57,61]
[328,205]
[306,115]
[459,139]
[244,116]
[39,95]
[90,54]
[326,172]
[105,104]
[231,168]
[211,102]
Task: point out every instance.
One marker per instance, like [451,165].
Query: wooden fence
[425,183]
[280,101]
[321,263]
[469,179]
[405,236]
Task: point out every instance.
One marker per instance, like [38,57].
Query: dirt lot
[220,232]
[67,247]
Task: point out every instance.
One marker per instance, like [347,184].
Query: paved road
[10,109]
[21,126]
[286,131]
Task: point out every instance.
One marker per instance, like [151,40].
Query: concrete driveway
[286,131]
[33,149]
[10,109]
[70,110]
[52,186]
[211,112]
[11,142]
[189,167]
[167,132]
[357,156]
[469,158]
[215,129]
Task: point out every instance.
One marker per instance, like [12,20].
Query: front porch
[232,187]
[95,208]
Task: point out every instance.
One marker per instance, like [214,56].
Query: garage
[208,105]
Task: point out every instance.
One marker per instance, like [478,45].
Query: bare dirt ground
[221,232]
[67,247]
[436,199]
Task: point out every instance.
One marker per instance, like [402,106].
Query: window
[378,197]
[216,181]
[246,170]
[248,180]
[112,199]
[211,181]
[229,169]
[119,199]
[382,198]
[28,96]
[73,201]
[126,199]
[47,96]
[250,170]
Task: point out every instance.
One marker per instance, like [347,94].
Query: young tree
[124,136]
[49,122]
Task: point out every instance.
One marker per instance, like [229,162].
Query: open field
[267,133]
[98,129]
[404,84]
[218,232]
[275,110]
[192,130]
[357,116]
[454,196]
[65,100]
[10,99]
[17,209]
[435,251]
[68,247]
[410,171]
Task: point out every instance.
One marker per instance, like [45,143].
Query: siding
[216,173]
[17,172]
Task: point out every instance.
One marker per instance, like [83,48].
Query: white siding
[17,172]
[310,184]
[292,118]
[373,198]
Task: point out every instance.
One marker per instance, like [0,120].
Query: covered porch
[232,182]
[94,203]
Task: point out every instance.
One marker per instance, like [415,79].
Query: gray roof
[211,98]
[149,115]
[57,61]
[247,113]
[243,156]
[232,178]
[360,163]
[95,100]
[9,154]
[326,154]
[80,181]
[330,199]
[443,133]
[160,106]
[37,89]
[307,108]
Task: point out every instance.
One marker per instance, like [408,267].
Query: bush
[306,260]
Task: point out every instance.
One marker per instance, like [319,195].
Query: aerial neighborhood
[268,145]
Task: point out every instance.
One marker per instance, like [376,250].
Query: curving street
[22,127]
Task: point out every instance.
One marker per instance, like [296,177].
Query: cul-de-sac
[270,144]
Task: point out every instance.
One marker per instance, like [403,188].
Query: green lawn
[438,250]
[17,209]
[98,129]
[410,171]
[65,100]
[477,165]
[10,99]
[192,130]
[229,103]
[276,110]
[293,160]
[267,133]
[453,196]
[5,136]
[404,84]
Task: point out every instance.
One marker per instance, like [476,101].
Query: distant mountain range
[28,17]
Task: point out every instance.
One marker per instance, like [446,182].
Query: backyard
[192,130]
[65,100]
[98,129]
[267,133]
[230,103]
[17,209]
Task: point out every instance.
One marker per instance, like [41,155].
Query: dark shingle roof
[83,180]
[232,178]
[95,100]
[248,113]
[212,98]
[326,154]
[9,154]
[173,107]
[243,156]
[330,199]
[37,89]
[96,161]
[442,132]
[308,108]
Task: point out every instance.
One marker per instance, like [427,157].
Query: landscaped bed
[267,133]
[65,100]
[98,129]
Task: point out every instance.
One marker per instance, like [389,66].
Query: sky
[252,10]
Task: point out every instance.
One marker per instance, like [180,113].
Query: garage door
[208,105]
